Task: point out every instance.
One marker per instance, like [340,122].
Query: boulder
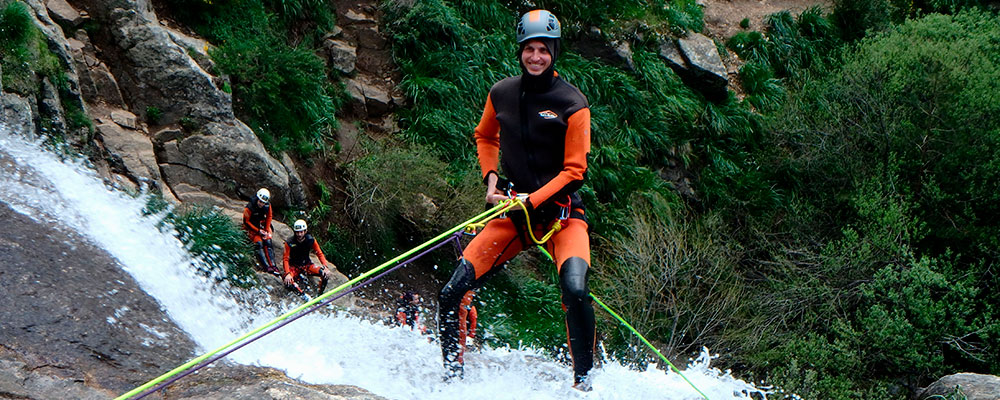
[368,97]
[15,112]
[64,13]
[963,385]
[703,56]
[242,382]
[84,329]
[342,55]
[698,63]
[97,84]
[226,159]
[133,151]
[672,55]
[161,74]
[196,48]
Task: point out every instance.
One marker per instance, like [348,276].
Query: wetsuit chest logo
[548,114]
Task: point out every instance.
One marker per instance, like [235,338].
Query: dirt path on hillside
[722,17]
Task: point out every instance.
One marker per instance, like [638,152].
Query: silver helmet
[538,24]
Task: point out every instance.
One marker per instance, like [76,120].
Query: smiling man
[541,126]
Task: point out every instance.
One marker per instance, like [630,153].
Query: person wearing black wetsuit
[297,262]
[541,126]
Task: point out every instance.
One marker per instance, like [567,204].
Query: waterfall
[321,348]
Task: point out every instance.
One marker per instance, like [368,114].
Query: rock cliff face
[76,326]
[144,68]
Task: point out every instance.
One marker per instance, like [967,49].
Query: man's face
[300,234]
[536,57]
[260,203]
[415,300]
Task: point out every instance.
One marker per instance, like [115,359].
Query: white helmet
[264,195]
[299,226]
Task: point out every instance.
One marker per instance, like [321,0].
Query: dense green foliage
[22,50]
[219,245]
[280,89]
[893,154]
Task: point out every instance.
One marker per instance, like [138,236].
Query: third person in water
[540,124]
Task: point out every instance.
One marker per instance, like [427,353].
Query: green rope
[498,209]
[637,334]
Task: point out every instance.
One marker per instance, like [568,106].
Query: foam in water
[318,348]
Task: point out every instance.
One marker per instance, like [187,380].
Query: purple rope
[454,239]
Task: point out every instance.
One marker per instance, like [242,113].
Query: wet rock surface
[75,325]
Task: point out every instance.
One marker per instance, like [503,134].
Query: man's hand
[492,194]
[288,280]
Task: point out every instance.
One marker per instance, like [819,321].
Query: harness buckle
[564,208]
[509,191]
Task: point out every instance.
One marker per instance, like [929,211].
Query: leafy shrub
[854,18]
[153,114]
[219,244]
[670,280]
[895,148]
[398,189]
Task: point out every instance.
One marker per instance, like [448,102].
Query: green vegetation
[399,197]
[153,114]
[269,50]
[24,55]
[839,238]
[27,62]
[218,244]
[891,155]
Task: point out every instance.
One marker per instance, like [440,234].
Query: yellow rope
[511,203]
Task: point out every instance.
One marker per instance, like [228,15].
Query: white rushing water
[318,348]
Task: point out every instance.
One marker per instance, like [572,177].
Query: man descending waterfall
[540,124]
[297,263]
[257,222]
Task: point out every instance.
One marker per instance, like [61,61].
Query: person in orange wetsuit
[540,124]
[257,222]
[467,316]
[297,263]
[408,311]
